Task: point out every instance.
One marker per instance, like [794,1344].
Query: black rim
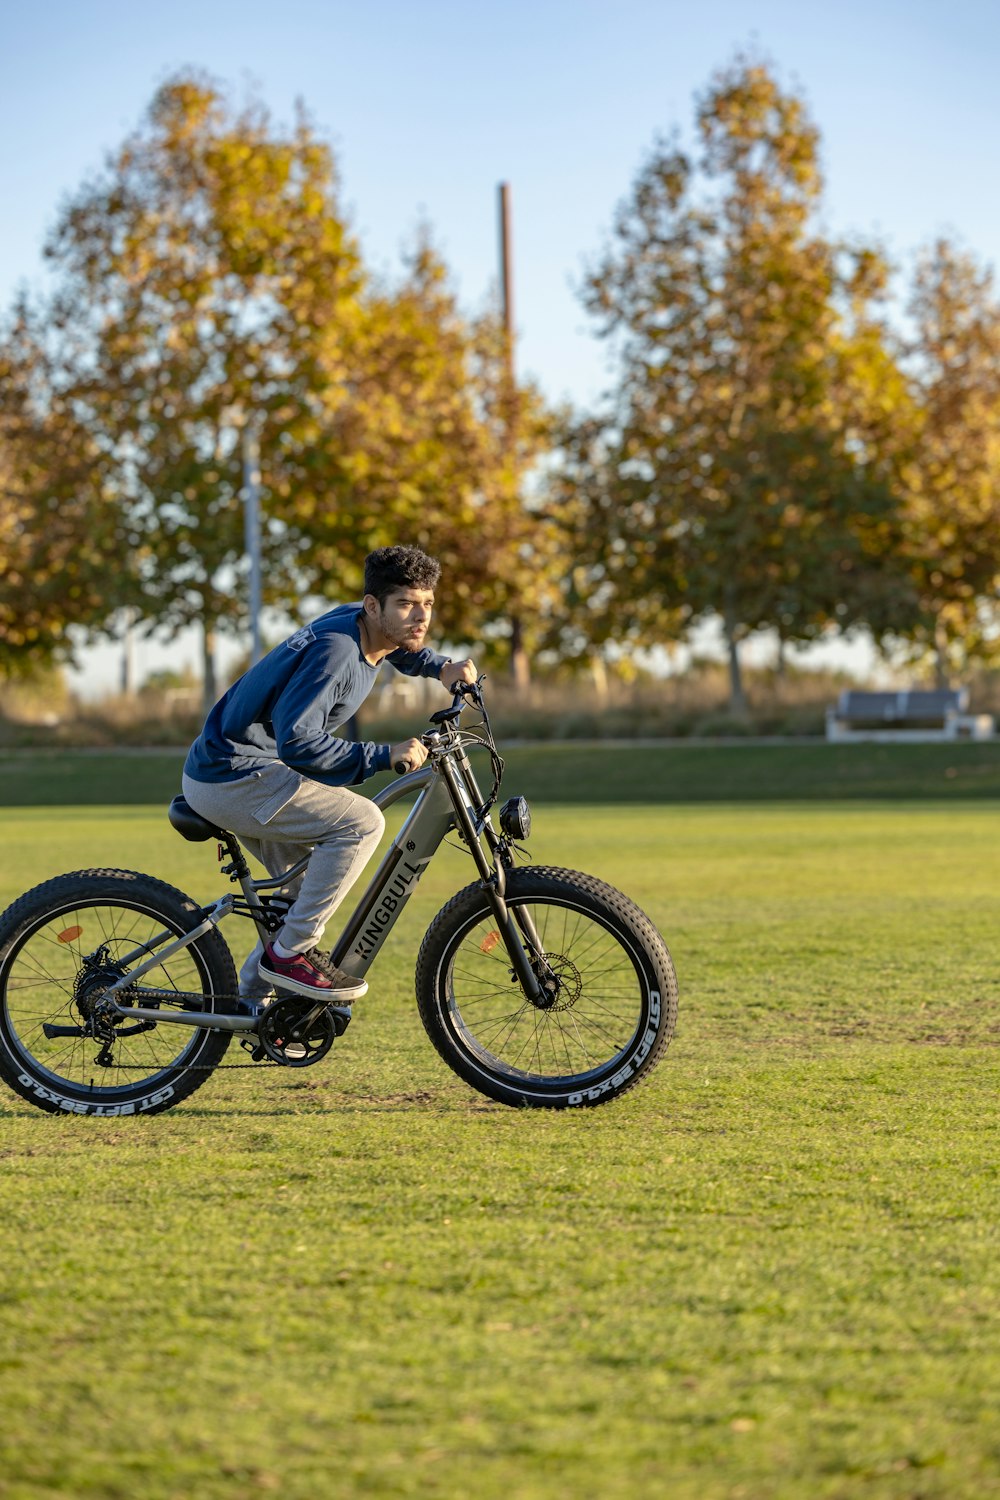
[599,1010]
[40,987]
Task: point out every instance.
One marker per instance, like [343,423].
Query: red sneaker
[310,974]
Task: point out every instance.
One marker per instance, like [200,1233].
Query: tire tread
[541,877]
[97,884]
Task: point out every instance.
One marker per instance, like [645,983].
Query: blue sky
[430,105]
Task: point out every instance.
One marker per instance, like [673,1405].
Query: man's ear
[370,605]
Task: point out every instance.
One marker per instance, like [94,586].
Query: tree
[195,273]
[210,284]
[57,533]
[427,455]
[739,472]
[954,488]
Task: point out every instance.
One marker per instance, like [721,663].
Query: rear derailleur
[97,1009]
[298,1032]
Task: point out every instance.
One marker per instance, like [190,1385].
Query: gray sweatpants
[279,816]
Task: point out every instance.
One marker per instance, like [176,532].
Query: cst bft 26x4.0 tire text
[612,1015]
[47,941]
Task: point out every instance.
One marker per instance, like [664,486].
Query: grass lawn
[770,1272]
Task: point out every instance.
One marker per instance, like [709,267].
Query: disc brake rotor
[561,981]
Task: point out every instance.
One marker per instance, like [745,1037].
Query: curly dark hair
[390,568]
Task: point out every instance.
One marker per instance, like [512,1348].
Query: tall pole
[519,668]
[251,528]
[507,282]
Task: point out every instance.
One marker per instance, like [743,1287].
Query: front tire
[612,1016]
[49,978]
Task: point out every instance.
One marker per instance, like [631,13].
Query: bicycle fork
[494,884]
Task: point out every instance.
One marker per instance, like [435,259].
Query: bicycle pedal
[254,1048]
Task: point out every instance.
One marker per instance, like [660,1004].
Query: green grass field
[769,1272]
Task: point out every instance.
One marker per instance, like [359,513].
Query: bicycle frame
[448,798]
[430,820]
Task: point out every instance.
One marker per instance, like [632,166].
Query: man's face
[405,617]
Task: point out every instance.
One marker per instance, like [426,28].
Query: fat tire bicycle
[539,987]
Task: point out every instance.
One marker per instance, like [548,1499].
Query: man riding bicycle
[269,766]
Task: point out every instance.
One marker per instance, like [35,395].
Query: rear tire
[613,1015]
[45,940]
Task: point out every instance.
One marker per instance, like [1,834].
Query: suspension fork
[522,914]
[526,922]
[494,883]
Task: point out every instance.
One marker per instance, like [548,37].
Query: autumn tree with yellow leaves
[207,281]
[953,479]
[58,534]
[771,455]
[743,469]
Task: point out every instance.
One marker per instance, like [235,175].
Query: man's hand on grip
[408,755]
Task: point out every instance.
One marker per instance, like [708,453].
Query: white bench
[937,714]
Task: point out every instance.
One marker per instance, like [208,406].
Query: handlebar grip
[401,767]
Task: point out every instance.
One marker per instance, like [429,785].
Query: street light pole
[507,280]
[251,529]
[519,667]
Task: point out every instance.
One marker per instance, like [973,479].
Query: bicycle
[538,986]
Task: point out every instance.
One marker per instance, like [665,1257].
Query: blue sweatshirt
[286,707]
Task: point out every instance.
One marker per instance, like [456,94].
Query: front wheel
[609,1002]
[61,946]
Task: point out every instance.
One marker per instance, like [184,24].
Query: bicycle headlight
[515,818]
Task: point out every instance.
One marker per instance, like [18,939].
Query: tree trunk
[520,666]
[127,675]
[209,692]
[781,658]
[599,678]
[737,697]
[942,665]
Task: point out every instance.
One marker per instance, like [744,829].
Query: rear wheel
[61,946]
[610,993]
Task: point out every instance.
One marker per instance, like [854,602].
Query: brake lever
[402,766]
[471,690]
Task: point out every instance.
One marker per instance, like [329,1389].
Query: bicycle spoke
[593,1014]
[41,989]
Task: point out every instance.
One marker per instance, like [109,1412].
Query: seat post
[237,868]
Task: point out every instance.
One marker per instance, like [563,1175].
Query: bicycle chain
[263,1062]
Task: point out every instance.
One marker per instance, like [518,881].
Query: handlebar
[460,692]
[446,719]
